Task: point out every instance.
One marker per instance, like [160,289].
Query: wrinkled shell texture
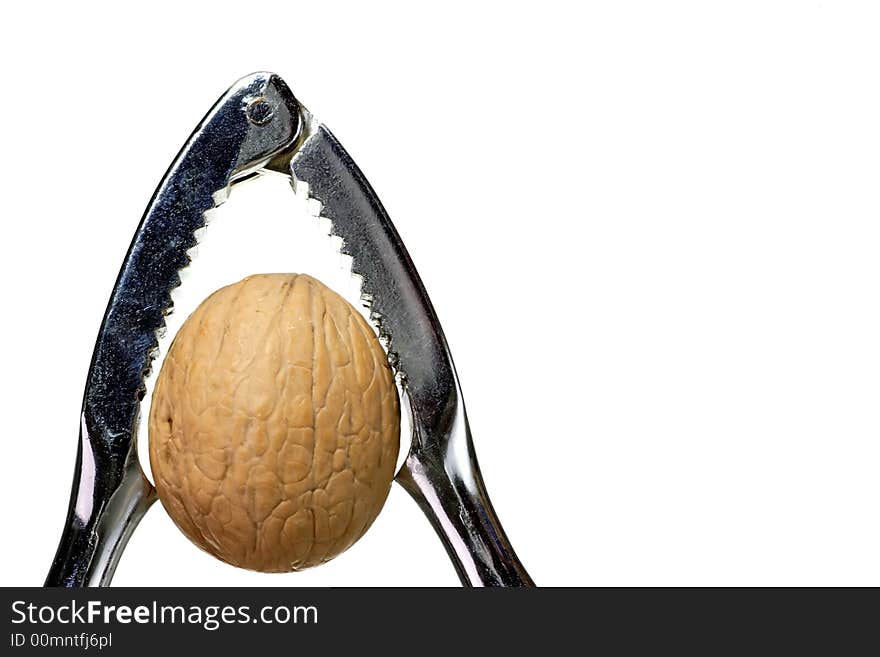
[274,425]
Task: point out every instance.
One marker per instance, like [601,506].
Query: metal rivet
[259,111]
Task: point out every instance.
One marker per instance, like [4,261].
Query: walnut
[274,424]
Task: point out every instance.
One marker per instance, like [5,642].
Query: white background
[650,230]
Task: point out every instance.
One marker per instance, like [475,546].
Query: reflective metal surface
[110,492]
[258,124]
[441,471]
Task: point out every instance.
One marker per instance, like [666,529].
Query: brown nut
[274,425]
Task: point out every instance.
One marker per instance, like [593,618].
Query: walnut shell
[274,425]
